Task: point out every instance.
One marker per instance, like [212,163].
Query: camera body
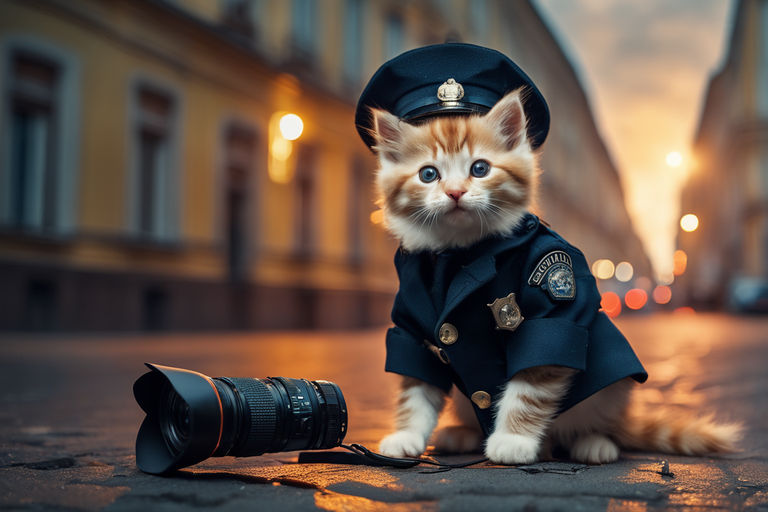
[191,417]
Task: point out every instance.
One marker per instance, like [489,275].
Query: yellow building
[145,182]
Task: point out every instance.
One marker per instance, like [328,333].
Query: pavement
[68,423]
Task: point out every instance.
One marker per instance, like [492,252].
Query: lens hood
[153,455]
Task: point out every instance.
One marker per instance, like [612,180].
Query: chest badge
[554,273]
[506,312]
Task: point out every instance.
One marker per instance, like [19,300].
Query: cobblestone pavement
[68,423]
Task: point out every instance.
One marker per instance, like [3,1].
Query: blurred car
[748,295]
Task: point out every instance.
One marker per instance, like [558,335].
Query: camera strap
[363,456]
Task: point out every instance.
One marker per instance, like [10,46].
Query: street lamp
[689,222]
[284,128]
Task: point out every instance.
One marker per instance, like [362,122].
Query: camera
[190,417]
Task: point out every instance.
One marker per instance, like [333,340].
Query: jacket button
[481,399]
[448,333]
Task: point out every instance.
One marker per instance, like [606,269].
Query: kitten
[451,183]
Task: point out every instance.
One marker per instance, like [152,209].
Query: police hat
[450,78]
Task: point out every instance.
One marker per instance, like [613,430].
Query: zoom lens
[191,417]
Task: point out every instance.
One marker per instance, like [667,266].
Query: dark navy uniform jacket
[455,287]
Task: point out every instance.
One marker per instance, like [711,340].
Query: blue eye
[480,169]
[428,174]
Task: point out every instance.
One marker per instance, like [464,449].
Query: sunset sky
[645,66]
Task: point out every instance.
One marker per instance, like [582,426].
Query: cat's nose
[455,194]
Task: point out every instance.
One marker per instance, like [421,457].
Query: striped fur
[422,215]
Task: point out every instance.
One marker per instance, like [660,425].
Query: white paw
[402,444]
[504,448]
[594,449]
[458,439]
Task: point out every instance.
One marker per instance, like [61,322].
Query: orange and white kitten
[424,217]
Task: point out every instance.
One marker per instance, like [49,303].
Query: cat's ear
[389,134]
[508,119]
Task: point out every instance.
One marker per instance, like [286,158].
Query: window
[39,135]
[154,184]
[237,17]
[304,25]
[33,109]
[359,209]
[393,36]
[353,40]
[239,158]
[305,202]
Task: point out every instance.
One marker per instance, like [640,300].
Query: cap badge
[506,312]
[451,90]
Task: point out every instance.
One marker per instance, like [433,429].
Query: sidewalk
[68,423]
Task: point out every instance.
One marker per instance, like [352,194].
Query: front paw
[504,448]
[403,444]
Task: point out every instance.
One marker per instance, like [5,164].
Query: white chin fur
[455,230]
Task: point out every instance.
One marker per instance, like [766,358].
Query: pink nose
[455,194]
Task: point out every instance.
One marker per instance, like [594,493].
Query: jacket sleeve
[408,356]
[554,331]
[406,352]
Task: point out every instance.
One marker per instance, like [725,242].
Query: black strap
[363,456]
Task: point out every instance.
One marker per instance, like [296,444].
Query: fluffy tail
[672,432]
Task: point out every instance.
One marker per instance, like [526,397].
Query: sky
[645,65]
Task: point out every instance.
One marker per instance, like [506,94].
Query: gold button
[481,399]
[448,333]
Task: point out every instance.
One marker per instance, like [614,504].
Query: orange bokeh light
[611,304]
[680,260]
[635,298]
[685,310]
[662,294]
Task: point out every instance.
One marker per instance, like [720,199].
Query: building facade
[145,182]
[728,188]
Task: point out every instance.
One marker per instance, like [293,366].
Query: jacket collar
[480,269]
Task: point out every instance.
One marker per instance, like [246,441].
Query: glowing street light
[689,222]
[674,159]
[291,126]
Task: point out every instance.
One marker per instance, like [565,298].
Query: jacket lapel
[482,269]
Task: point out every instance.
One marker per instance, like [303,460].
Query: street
[68,423]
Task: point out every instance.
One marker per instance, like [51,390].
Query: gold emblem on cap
[451,90]
[506,312]
[482,399]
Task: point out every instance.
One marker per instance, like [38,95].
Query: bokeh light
[674,159]
[377,216]
[680,260]
[635,298]
[684,310]
[291,126]
[624,271]
[611,304]
[603,269]
[666,278]
[662,294]
[689,222]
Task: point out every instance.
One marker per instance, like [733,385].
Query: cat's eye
[428,174]
[480,168]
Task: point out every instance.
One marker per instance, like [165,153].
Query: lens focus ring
[261,415]
[336,417]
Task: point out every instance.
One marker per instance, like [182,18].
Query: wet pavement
[68,422]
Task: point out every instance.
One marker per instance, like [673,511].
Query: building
[728,188]
[145,183]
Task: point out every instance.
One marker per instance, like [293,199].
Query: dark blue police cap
[407,86]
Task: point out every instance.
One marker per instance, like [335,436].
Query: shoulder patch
[554,273]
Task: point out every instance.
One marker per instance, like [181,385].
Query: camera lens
[191,417]
[174,420]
